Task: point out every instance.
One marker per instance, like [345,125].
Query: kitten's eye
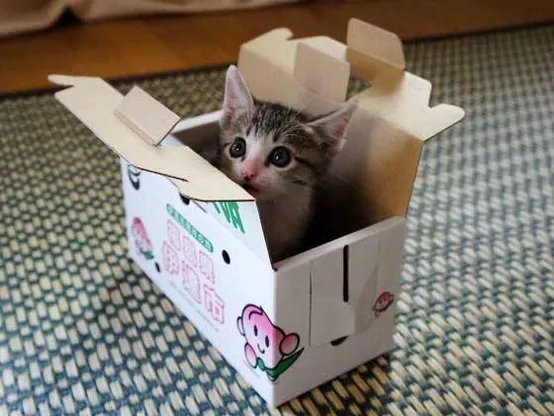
[238,148]
[280,157]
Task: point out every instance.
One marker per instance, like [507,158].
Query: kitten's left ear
[335,125]
[237,96]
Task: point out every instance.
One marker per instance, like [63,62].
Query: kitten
[277,154]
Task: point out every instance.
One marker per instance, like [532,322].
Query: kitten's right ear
[237,96]
[335,125]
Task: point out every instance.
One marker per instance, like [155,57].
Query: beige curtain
[17,16]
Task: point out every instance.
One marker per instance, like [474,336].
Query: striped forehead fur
[282,123]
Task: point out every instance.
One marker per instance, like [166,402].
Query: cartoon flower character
[382,303]
[267,346]
[142,242]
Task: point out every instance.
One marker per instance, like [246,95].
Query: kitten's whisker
[300,182]
[287,130]
[338,176]
[292,122]
[327,184]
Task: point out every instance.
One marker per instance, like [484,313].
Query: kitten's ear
[237,96]
[334,125]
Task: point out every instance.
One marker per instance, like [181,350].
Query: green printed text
[231,212]
[198,236]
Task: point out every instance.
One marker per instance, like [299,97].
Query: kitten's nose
[248,176]
[249,173]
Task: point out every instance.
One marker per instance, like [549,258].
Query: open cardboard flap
[133,126]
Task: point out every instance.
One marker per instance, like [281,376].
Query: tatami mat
[83,331]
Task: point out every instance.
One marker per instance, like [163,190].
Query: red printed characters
[207,267]
[214,305]
[382,303]
[173,235]
[267,346]
[182,256]
[170,258]
[189,250]
[191,282]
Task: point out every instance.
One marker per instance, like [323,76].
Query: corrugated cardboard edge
[146,116]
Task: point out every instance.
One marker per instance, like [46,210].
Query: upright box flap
[117,123]
[393,120]
[376,44]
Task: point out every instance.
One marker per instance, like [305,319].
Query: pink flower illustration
[142,242]
[382,303]
[267,346]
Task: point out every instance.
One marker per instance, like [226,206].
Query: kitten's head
[270,149]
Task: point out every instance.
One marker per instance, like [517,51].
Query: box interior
[372,178]
[365,184]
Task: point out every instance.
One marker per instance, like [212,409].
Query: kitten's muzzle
[248,187]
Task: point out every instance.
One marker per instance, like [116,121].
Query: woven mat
[83,331]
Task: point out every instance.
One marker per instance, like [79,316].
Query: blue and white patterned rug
[83,331]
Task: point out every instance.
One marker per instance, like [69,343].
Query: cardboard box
[290,326]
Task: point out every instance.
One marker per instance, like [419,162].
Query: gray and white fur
[278,155]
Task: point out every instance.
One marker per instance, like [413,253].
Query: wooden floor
[145,45]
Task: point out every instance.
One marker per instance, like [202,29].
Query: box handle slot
[345,270]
